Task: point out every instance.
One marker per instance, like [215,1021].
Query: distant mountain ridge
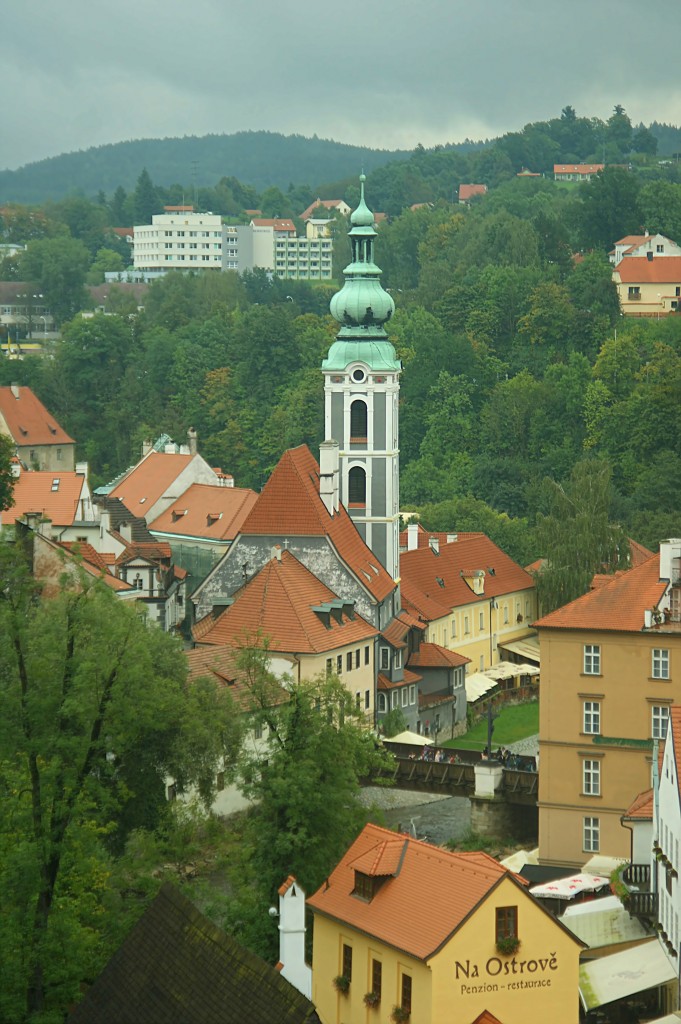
[257,158]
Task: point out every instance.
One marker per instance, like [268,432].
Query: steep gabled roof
[176,966]
[441,577]
[290,505]
[212,513]
[27,419]
[435,656]
[435,888]
[279,603]
[221,665]
[641,809]
[618,604]
[55,496]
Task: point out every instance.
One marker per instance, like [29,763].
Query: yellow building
[648,285]
[475,599]
[408,931]
[611,669]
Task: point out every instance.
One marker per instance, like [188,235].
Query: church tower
[361,392]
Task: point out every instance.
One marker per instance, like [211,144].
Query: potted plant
[399,1015]
[508,945]
[372,999]
[342,983]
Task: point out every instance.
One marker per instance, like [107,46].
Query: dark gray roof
[177,967]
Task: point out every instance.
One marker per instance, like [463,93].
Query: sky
[389,75]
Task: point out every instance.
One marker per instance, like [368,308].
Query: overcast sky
[382,73]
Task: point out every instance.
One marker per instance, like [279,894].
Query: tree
[146,200]
[306,783]
[609,208]
[576,536]
[58,267]
[95,715]
[6,476]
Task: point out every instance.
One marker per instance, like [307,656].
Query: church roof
[290,505]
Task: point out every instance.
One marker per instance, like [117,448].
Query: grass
[514,723]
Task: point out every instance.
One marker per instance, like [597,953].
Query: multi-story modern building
[178,239]
[611,669]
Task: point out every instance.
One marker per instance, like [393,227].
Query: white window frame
[659,715]
[592,659]
[412,693]
[405,696]
[384,659]
[397,659]
[591,777]
[591,717]
[660,663]
[591,834]
[382,704]
[394,699]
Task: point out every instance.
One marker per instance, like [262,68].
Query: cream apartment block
[178,239]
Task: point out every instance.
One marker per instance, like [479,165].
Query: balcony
[639,900]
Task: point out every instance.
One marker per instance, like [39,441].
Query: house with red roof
[644,245]
[611,672]
[40,441]
[404,930]
[320,205]
[649,285]
[63,498]
[576,172]
[301,619]
[472,597]
[468,192]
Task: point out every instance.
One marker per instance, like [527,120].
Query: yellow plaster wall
[626,692]
[362,678]
[334,1008]
[450,631]
[538,983]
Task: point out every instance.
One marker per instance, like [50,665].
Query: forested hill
[261,159]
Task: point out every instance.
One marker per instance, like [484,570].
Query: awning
[409,737]
[624,974]
[477,685]
[527,647]
[603,922]
[502,670]
[568,888]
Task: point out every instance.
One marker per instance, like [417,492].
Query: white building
[178,239]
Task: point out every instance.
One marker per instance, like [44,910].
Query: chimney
[329,461]
[14,388]
[276,552]
[146,447]
[434,543]
[412,536]
[193,441]
[292,936]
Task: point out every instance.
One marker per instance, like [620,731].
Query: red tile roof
[327,204]
[437,577]
[27,419]
[642,807]
[618,604]
[674,729]
[290,505]
[221,665]
[384,683]
[149,480]
[277,603]
[435,656]
[87,553]
[486,1018]
[33,493]
[276,223]
[439,888]
[212,513]
[423,537]
[468,191]
[640,270]
[577,168]
[419,604]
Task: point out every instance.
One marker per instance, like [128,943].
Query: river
[434,818]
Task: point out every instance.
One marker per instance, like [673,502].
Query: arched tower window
[357,486]
[358,420]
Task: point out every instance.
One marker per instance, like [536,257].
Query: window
[357,658]
[347,962]
[405,696]
[592,835]
[482,620]
[412,693]
[58,454]
[394,700]
[357,486]
[634,292]
[466,627]
[376,977]
[358,421]
[339,664]
[171,793]
[591,777]
[505,613]
[660,663]
[220,782]
[358,700]
[660,720]
[348,661]
[592,717]
[397,659]
[367,699]
[385,658]
[329,666]
[382,703]
[366,655]
[405,1001]
[592,660]
[257,731]
[506,923]
[453,628]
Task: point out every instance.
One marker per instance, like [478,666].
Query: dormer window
[366,886]
[55,483]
